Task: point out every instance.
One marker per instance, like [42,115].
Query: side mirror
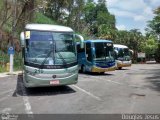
[81,40]
[22,39]
[131,53]
[93,52]
[115,54]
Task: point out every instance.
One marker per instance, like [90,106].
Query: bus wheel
[101,73]
[83,68]
[119,68]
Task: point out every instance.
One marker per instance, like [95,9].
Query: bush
[157,55]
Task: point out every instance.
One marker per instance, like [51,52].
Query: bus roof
[48,27]
[119,46]
[98,40]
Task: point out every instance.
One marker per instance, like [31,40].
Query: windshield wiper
[42,64]
[64,62]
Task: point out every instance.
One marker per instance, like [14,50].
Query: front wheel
[119,68]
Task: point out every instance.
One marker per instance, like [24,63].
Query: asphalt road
[131,90]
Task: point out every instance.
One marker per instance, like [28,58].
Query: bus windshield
[104,51]
[50,48]
[122,52]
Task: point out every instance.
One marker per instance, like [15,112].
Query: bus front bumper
[124,64]
[99,69]
[30,81]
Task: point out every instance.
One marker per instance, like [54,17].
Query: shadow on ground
[97,74]
[123,69]
[40,91]
[154,79]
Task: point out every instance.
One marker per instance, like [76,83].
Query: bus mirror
[81,40]
[22,39]
[131,53]
[93,52]
[93,49]
[115,54]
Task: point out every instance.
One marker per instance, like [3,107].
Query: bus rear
[50,57]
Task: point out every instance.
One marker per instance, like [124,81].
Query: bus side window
[88,52]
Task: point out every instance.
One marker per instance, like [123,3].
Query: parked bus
[123,56]
[96,56]
[49,54]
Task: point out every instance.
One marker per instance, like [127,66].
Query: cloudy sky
[132,14]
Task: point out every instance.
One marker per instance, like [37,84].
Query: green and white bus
[49,54]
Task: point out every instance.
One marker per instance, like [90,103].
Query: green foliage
[89,12]
[157,54]
[101,22]
[42,19]
[153,28]
[150,46]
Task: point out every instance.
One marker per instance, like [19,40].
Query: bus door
[89,58]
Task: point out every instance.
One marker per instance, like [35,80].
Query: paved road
[131,90]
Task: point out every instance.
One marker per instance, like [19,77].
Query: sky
[132,14]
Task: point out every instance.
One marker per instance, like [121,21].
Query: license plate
[54,82]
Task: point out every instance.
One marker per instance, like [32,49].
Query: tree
[150,47]
[55,8]
[153,28]
[100,22]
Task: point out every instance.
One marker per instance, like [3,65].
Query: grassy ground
[4,59]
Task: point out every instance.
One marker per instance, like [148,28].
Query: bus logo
[53,76]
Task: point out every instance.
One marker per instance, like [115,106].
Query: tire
[83,68]
[119,68]
[101,73]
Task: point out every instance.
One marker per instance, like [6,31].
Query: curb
[6,74]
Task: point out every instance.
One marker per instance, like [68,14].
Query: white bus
[123,56]
[50,56]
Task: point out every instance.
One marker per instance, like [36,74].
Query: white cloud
[127,14]
[148,11]
[154,3]
[121,27]
[111,2]
[130,5]
[140,11]
[121,13]
[139,18]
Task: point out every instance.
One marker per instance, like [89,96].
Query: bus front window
[99,51]
[104,51]
[123,53]
[50,48]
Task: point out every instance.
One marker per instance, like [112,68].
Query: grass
[4,59]
[42,19]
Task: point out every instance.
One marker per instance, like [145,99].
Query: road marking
[88,93]
[28,108]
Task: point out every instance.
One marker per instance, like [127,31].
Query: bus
[123,56]
[49,55]
[97,56]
